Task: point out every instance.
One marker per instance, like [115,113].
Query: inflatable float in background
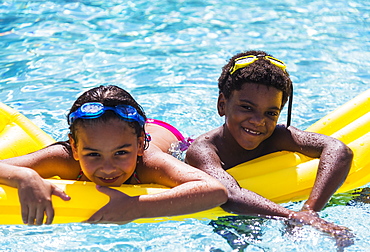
[18,135]
[281,176]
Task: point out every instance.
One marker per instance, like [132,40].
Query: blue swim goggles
[93,110]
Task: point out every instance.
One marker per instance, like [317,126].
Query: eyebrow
[117,148]
[255,105]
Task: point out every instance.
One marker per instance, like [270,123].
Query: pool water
[169,54]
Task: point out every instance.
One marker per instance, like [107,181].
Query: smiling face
[251,113]
[107,151]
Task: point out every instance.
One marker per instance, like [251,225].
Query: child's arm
[26,173]
[244,202]
[240,200]
[34,193]
[193,191]
[335,163]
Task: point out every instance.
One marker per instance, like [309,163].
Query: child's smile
[256,133]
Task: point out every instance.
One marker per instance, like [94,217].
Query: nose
[257,120]
[109,167]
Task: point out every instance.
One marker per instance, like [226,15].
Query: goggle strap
[290,105]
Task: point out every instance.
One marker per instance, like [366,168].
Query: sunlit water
[169,54]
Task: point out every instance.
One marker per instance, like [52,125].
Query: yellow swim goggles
[249,59]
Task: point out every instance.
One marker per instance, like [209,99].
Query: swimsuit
[176,149]
[184,143]
[167,126]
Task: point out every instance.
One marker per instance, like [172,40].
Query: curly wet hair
[261,71]
[109,96]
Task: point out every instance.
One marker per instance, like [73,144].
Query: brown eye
[246,107]
[93,154]
[119,153]
[273,114]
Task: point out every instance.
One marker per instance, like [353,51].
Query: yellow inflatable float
[281,176]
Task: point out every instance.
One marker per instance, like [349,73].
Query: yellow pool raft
[280,177]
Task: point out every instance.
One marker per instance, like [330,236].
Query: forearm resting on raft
[244,202]
[184,199]
[13,176]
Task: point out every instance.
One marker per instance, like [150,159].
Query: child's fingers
[110,213]
[60,193]
[95,218]
[31,216]
[98,215]
[106,190]
[39,216]
[24,211]
[49,214]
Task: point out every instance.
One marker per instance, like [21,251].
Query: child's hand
[342,235]
[120,208]
[35,198]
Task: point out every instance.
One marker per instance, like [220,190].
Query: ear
[221,104]
[72,142]
[141,144]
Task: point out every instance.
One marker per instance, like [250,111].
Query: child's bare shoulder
[57,150]
[207,139]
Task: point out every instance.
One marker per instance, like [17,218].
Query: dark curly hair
[109,96]
[261,71]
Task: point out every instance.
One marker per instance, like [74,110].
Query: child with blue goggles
[110,149]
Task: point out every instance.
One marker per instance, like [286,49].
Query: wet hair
[109,96]
[261,72]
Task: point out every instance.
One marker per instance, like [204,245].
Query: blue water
[169,54]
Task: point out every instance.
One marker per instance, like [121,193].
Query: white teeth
[107,178]
[252,132]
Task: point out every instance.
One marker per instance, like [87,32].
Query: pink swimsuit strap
[168,126]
